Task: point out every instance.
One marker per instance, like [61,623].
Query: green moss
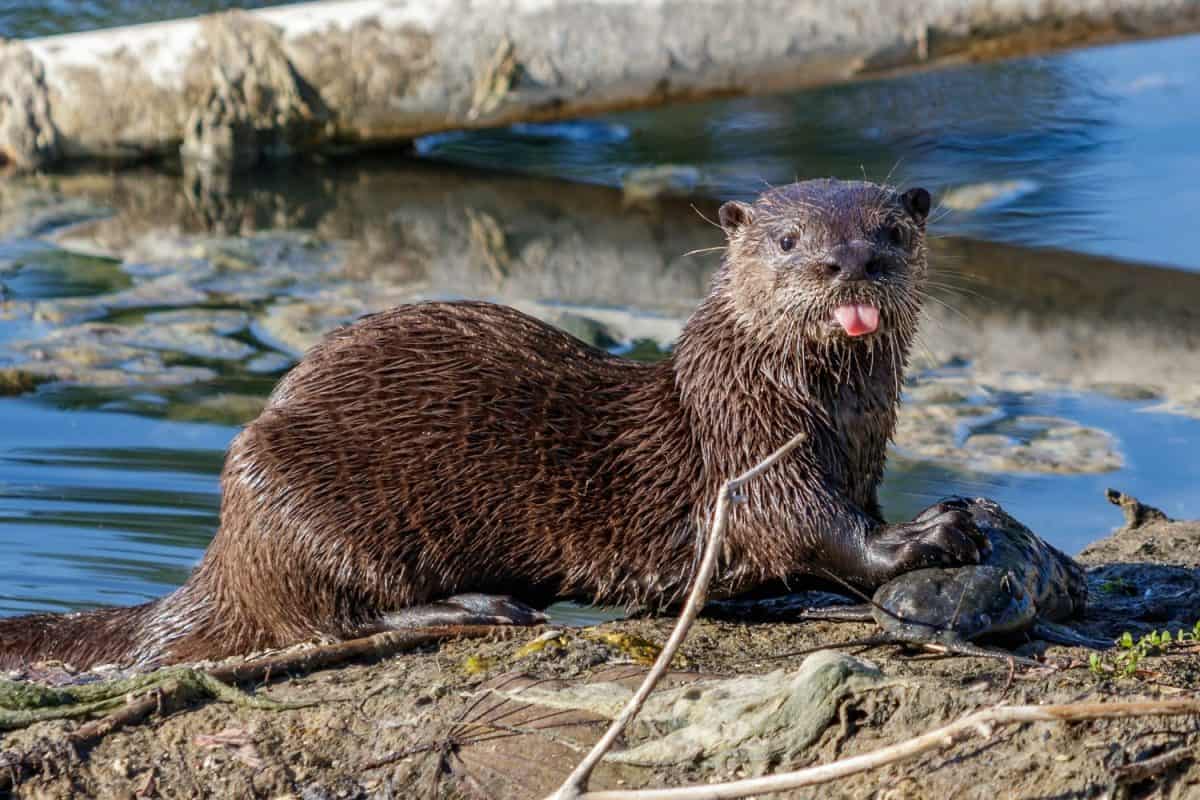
[639,650]
[541,644]
[477,665]
[1121,586]
[646,350]
[23,703]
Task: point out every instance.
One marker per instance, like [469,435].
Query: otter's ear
[917,202]
[734,215]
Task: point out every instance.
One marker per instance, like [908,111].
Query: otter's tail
[134,635]
[83,640]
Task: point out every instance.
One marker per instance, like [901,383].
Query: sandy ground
[445,722]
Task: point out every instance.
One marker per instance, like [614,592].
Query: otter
[463,463]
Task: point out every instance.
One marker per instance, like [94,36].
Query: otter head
[830,261]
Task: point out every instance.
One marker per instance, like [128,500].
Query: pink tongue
[857,319]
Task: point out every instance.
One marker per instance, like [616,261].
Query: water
[99,507]
[1099,145]
[24,19]
[109,480]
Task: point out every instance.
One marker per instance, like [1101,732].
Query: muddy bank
[507,718]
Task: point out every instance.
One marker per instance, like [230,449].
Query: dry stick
[980,723]
[1144,770]
[576,783]
[379,645]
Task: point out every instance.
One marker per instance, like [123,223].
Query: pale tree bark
[234,88]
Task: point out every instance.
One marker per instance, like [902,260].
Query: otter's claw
[944,535]
[465,609]
[942,506]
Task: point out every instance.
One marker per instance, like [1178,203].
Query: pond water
[164,306]
[1093,150]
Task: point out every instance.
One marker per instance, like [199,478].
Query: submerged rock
[14,381]
[297,325]
[272,362]
[140,354]
[643,184]
[1043,445]
[29,211]
[953,419]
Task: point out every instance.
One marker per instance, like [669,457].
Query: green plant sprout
[1125,661]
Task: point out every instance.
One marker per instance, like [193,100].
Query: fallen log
[236,88]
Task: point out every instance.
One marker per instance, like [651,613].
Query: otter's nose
[854,261]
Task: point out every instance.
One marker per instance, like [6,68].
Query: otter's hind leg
[464,609]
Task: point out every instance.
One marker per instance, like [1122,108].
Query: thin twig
[1153,767]
[576,783]
[379,645]
[980,723]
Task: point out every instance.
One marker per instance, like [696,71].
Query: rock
[751,720]
[1148,535]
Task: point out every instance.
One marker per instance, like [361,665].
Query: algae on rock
[747,720]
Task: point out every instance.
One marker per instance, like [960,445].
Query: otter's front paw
[943,535]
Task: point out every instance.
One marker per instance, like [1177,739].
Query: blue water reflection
[1102,143]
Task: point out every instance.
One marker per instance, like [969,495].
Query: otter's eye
[897,236]
[786,243]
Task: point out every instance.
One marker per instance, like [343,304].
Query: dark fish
[1023,586]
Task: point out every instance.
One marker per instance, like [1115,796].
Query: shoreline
[530,691]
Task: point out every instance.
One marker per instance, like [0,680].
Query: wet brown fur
[448,447]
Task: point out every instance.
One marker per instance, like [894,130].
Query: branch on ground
[132,701]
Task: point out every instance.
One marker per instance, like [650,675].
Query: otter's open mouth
[857,319]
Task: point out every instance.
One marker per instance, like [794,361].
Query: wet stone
[110,342]
[646,183]
[168,290]
[1127,391]
[16,381]
[148,372]
[268,363]
[298,325]
[1184,402]
[219,321]
[975,196]
[1056,446]
[107,354]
